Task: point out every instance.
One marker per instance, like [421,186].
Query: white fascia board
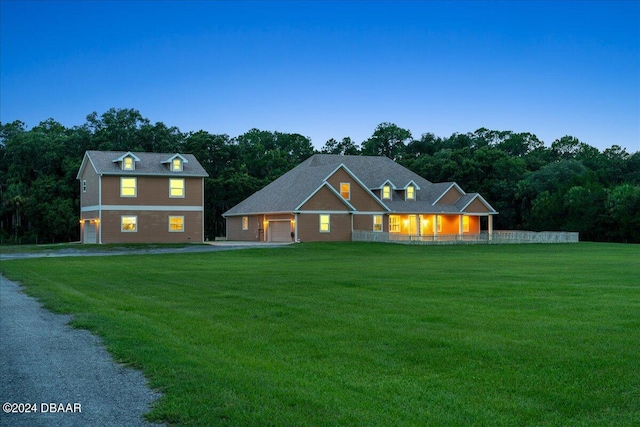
[127,154]
[360,183]
[317,212]
[412,182]
[170,159]
[225,215]
[484,202]
[393,186]
[324,184]
[84,164]
[453,184]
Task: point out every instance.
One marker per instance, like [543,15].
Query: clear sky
[330,69]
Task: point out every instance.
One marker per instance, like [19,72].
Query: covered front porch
[439,226]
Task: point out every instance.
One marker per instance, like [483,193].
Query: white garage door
[280,231]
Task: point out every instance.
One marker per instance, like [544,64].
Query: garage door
[280,231]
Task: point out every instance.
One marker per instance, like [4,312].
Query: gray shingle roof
[153,164]
[286,193]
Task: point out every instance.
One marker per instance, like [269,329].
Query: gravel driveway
[64,374]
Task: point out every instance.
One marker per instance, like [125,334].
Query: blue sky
[330,69]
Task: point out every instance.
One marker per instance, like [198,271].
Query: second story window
[345,190]
[176,187]
[386,192]
[128,187]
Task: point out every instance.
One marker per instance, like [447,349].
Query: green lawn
[367,334]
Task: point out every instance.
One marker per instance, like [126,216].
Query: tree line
[567,186]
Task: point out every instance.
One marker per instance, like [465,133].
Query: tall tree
[387,140]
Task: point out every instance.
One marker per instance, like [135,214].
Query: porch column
[490,227]
[461,226]
[295,227]
[435,227]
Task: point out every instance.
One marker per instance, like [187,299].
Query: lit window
[377,223]
[127,187]
[245,222]
[176,165]
[394,223]
[439,222]
[345,190]
[386,192]
[176,187]
[325,223]
[129,223]
[128,164]
[465,224]
[411,192]
[176,224]
[84,185]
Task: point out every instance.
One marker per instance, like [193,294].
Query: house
[130,197]
[327,197]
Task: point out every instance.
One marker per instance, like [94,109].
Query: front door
[89,232]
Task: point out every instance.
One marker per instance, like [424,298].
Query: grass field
[367,334]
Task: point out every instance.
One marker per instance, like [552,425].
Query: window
[129,224]
[411,192]
[84,185]
[176,165]
[176,187]
[128,164]
[465,224]
[377,223]
[176,224]
[245,222]
[325,223]
[345,190]
[439,222]
[394,223]
[386,192]
[127,187]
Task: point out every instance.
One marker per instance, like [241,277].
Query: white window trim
[184,190]
[406,193]
[382,192]
[122,217]
[135,186]
[391,230]
[84,185]
[180,168]
[348,184]
[124,164]
[381,224]
[176,231]
[328,230]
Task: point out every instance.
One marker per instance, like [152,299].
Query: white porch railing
[498,237]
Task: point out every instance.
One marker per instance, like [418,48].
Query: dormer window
[386,192]
[411,192]
[127,161]
[128,164]
[175,163]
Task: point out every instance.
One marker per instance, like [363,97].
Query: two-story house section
[328,197]
[128,197]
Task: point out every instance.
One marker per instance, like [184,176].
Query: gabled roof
[150,164]
[288,192]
